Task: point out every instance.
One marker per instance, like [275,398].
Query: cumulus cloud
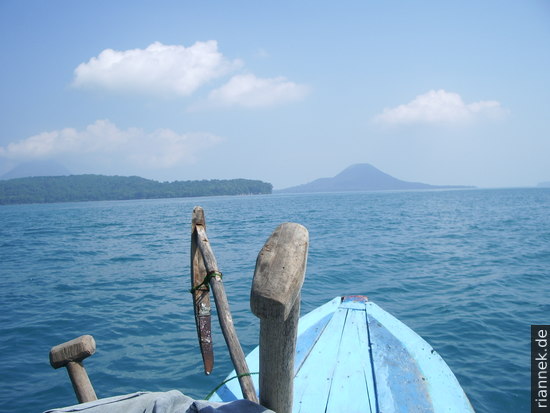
[103,143]
[249,91]
[157,69]
[439,106]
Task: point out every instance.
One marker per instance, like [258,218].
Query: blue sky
[287,92]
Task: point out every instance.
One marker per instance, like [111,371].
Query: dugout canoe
[353,356]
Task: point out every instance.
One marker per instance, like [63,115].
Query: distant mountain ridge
[361,177]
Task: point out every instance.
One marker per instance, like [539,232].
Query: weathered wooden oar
[213,278]
[70,355]
[275,299]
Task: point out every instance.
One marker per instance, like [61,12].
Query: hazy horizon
[67,173]
[439,93]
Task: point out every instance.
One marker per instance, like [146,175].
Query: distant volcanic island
[362,177]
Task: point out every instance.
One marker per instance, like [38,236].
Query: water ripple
[468,270]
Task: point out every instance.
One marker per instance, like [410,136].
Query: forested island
[76,188]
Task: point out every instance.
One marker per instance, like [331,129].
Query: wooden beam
[222,305]
[70,355]
[275,299]
[201,296]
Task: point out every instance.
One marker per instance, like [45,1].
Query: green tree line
[103,188]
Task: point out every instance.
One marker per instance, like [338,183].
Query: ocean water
[468,270]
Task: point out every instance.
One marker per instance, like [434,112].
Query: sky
[440,92]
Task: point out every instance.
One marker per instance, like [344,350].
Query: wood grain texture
[275,299]
[278,341]
[74,350]
[81,382]
[224,313]
[201,295]
[70,355]
[280,271]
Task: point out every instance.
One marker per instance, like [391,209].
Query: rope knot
[206,281]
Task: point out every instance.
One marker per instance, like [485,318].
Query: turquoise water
[467,270]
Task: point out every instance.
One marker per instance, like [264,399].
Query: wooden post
[201,295]
[275,299]
[81,382]
[222,305]
[70,355]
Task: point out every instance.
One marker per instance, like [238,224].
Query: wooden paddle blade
[201,295]
[204,330]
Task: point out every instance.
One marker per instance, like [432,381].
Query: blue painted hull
[353,356]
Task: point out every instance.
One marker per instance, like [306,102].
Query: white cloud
[157,69]
[439,106]
[252,92]
[104,144]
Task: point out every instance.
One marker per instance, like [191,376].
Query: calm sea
[468,270]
